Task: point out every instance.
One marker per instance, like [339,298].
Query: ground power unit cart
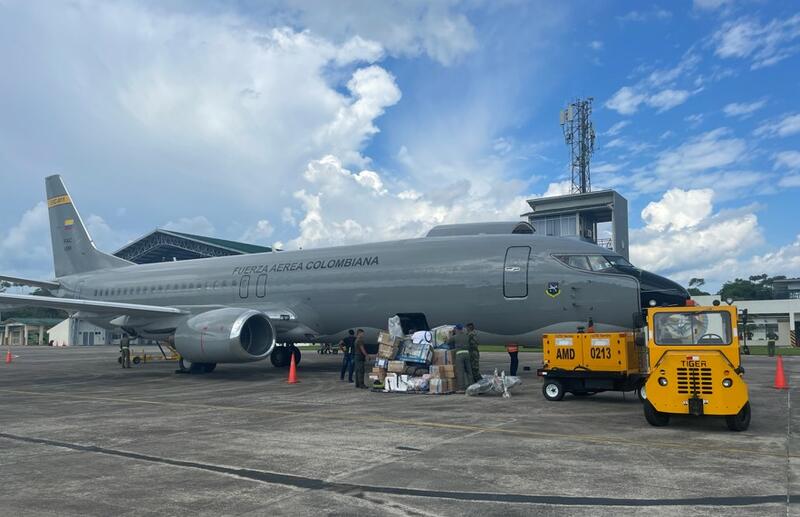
[588,363]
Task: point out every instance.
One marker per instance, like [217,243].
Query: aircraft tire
[553,390]
[653,416]
[137,360]
[741,420]
[297,355]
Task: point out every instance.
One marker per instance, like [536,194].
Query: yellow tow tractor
[694,365]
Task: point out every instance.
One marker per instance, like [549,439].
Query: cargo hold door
[515,272]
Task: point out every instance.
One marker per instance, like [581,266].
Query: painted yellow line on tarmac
[603,440]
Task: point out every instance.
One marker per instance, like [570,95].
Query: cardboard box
[385,339]
[441,357]
[387,351]
[446,371]
[382,363]
[378,374]
[440,386]
[396,366]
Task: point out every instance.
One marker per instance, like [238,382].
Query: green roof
[238,246]
[34,322]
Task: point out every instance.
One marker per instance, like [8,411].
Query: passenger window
[95,292]
[183,286]
[215,284]
[225,283]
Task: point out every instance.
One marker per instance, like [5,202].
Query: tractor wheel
[741,420]
[654,417]
[641,392]
[553,390]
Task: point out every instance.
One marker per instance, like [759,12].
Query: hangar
[160,245]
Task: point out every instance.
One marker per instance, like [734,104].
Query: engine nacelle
[227,335]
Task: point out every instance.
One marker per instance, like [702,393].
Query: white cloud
[667,99]
[789,181]
[682,236]
[25,246]
[743,109]
[642,16]
[559,188]
[625,101]
[603,168]
[596,45]
[695,119]
[340,207]
[198,224]
[616,128]
[709,150]
[678,209]
[258,233]
[786,126]
[764,44]
[711,5]
[787,160]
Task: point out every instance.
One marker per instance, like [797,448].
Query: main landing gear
[282,354]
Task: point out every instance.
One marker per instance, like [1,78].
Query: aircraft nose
[662,290]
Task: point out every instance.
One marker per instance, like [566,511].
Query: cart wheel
[553,390]
[654,417]
[741,420]
[137,360]
[641,392]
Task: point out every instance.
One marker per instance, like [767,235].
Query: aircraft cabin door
[515,272]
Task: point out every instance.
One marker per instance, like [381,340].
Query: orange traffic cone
[292,372]
[8,357]
[780,378]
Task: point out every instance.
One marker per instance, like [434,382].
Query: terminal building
[160,245]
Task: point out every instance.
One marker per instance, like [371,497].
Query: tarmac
[81,436]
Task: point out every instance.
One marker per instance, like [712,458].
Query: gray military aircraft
[514,285]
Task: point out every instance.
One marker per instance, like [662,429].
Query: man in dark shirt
[361,359]
[347,345]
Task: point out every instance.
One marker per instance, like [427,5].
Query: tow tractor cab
[694,365]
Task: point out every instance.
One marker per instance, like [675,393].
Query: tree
[694,287]
[756,287]
[4,286]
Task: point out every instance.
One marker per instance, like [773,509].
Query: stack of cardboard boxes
[442,372]
[398,375]
[387,350]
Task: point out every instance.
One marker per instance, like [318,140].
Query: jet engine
[228,335]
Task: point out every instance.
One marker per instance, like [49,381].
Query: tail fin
[73,249]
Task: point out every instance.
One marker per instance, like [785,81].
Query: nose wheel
[282,355]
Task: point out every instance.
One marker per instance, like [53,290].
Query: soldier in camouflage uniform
[474,353]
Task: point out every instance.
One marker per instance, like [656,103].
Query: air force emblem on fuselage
[553,289]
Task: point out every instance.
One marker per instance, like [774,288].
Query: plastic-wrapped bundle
[395,328]
[494,385]
[414,352]
[422,337]
[419,383]
[441,335]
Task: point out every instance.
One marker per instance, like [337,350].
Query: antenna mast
[579,136]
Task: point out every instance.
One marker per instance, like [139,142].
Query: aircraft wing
[88,306]
[44,284]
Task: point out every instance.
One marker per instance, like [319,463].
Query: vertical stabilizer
[73,249]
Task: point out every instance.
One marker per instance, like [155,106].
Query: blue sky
[316,123]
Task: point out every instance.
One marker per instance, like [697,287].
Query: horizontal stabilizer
[44,284]
[89,306]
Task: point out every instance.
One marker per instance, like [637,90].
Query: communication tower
[579,135]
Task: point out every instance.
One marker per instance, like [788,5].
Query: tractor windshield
[692,328]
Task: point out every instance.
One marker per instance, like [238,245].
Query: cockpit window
[587,262]
[616,260]
[599,263]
